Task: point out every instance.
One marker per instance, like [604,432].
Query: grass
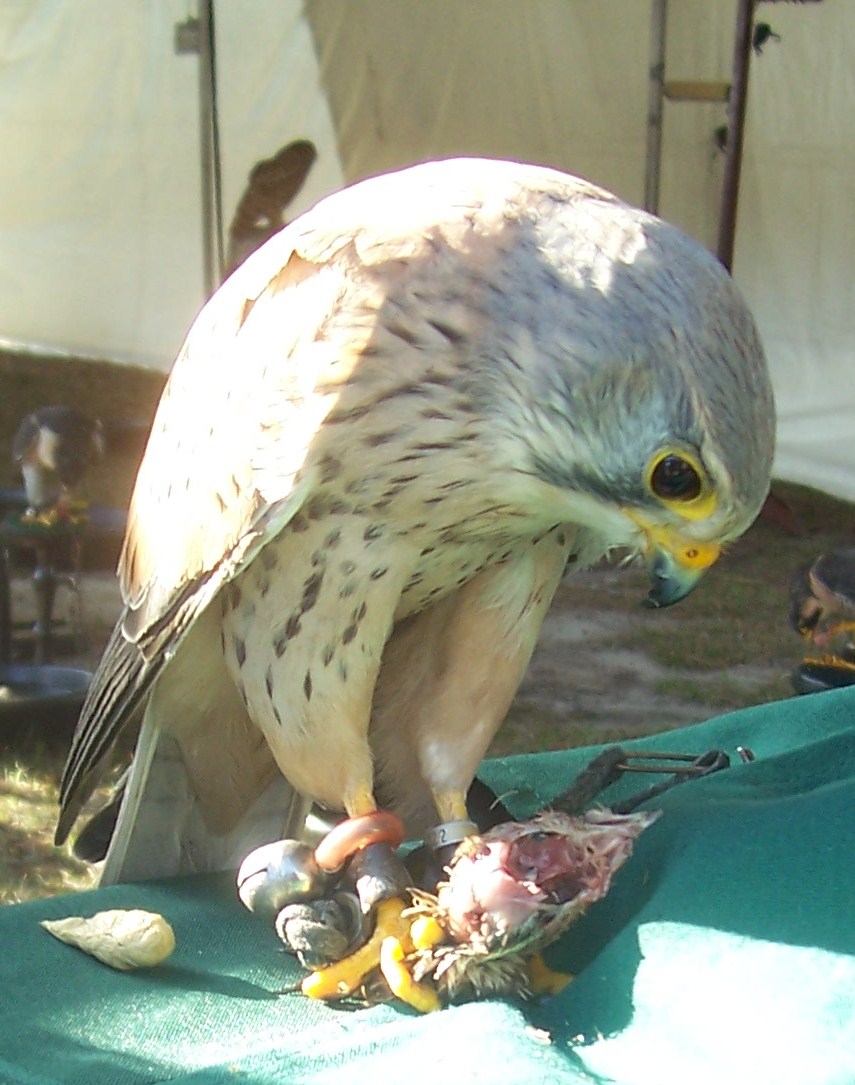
[723,693]
[30,865]
[528,730]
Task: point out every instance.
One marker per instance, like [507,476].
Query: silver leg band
[449,833]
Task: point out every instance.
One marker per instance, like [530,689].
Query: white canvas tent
[100,221]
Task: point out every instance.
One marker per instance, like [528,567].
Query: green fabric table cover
[725,953]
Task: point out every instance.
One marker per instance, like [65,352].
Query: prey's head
[505,887]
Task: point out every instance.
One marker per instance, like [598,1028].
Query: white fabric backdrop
[100,221]
[796,236]
[100,236]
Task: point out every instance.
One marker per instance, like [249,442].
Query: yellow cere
[697,555]
[690,553]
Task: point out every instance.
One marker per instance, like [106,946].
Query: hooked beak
[675,563]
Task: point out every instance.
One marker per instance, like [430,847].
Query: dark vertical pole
[212,198]
[659,13]
[735,132]
[653,162]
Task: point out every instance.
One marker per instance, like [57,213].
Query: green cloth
[723,954]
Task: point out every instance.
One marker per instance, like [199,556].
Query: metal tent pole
[212,195]
[196,35]
[653,160]
[735,132]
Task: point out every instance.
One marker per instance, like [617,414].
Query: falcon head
[649,414]
[54,447]
[822,597]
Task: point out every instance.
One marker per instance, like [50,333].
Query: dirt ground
[605,668]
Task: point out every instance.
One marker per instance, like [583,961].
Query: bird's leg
[451,805]
[448,677]
[454,825]
[366,841]
[365,830]
[360,802]
[345,976]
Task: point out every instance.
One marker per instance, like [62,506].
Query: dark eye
[675,479]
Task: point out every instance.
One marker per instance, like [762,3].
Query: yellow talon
[426,932]
[346,975]
[543,980]
[393,938]
[830,661]
[401,983]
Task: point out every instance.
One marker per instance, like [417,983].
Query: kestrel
[822,597]
[822,609]
[384,439]
[54,447]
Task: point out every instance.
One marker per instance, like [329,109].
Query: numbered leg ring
[449,834]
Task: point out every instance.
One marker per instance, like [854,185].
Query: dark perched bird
[385,436]
[273,183]
[822,597]
[762,35]
[54,447]
[822,609]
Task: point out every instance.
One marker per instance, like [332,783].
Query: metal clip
[613,762]
[689,767]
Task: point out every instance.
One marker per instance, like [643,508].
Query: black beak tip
[664,591]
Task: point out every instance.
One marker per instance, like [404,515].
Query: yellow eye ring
[677,479]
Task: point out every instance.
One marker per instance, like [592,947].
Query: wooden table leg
[44,587]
